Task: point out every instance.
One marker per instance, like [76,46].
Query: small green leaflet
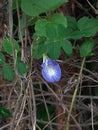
[2,58]
[85,27]
[21,67]
[59,19]
[51,31]
[53,49]
[40,27]
[38,50]
[8,72]
[86,48]
[88,26]
[5,113]
[8,46]
[67,47]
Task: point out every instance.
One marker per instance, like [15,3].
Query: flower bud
[51,70]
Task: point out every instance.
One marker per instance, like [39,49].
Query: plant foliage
[40,26]
[53,34]
[5,113]
[8,72]
[35,8]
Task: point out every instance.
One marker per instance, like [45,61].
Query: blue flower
[51,70]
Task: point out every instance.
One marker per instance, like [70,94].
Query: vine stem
[75,93]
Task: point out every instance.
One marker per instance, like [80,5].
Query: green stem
[75,93]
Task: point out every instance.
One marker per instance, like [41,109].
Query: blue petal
[51,71]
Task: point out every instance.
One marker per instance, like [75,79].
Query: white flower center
[51,71]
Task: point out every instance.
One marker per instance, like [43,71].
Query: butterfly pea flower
[51,70]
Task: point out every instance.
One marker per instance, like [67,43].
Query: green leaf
[38,50]
[8,46]
[77,35]
[88,26]
[51,31]
[50,46]
[40,27]
[39,47]
[36,7]
[21,67]
[54,38]
[86,48]
[71,26]
[67,47]
[8,72]
[5,113]
[19,56]
[59,19]
[53,49]
[61,32]
[71,23]
[2,58]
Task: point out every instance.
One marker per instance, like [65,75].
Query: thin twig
[62,104]
[20,32]
[45,107]
[96,12]
[11,29]
[75,93]
[92,117]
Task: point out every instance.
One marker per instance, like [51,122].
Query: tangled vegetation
[57,91]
